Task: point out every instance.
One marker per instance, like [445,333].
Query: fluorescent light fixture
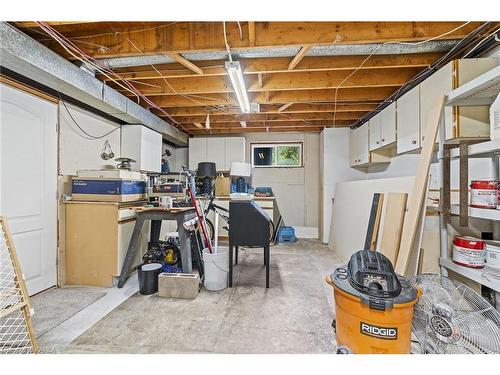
[236,75]
[243,124]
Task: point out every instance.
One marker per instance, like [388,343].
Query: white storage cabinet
[143,145]
[221,151]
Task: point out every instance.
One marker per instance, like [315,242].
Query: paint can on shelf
[493,255]
[469,252]
[483,193]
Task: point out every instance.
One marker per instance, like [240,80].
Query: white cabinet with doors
[359,148]
[408,120]
[383,128]
[216,152]
[388,128]
[143,145]
[363,151]
[221,151]
[460,122]
[374,125]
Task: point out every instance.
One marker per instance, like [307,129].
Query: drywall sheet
[351,211]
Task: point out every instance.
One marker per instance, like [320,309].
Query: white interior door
[28,183]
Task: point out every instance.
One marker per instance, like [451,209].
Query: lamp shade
[241,169]
[206,169]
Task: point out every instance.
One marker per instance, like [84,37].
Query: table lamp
[240,170]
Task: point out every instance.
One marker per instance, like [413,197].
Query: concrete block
[178,285]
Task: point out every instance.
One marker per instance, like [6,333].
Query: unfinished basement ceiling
[179,67]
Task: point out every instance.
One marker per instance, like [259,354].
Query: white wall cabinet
[461,122]
[374,125]
[363,149]
[359,153]
[388,128]
[143,145]
[408,120]
[382,128]
[216,152]
[221,151]
[197,151]
[353,147]
[235,151]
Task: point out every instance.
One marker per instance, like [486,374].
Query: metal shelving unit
[480,91]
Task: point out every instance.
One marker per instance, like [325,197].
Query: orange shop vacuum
[373,306]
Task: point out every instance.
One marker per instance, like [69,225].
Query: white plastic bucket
[216,268]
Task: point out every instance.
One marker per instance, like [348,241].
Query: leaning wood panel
[411,226]
[16,329]
[393,225]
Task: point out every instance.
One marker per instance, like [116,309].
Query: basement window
[277,155]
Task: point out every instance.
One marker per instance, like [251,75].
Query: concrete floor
[293,316]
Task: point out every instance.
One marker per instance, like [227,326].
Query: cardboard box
[222,186]
[178,285]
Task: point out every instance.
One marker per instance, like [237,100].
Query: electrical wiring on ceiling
[85,58]
[88,135]
[482,41]
[376,49]
[115,33]
[189,97]
[436,63]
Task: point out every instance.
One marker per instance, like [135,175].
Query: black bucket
[148,277]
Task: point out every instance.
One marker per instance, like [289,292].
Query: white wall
[76,149]
[296,189]
[334,163]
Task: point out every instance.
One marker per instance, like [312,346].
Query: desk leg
[155,233]
[267,261]
[230,276]
[236,259]
[130,251]
[185,240]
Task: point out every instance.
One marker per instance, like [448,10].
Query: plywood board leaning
[411,224]
[16,329]
[374,222]
[351,211]
[394,214]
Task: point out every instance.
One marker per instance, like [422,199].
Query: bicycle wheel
[210,230]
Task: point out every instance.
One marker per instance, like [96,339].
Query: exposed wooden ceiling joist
[298,57]
[272,109]
[208,36]
[188,64]
[259,117]
[296,92]
[280,82]
[371,94]
[280,65]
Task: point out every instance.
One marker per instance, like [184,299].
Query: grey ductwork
[289,51]
[27,57]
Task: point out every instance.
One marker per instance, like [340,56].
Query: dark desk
[181,215]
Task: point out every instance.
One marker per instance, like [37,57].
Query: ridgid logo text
[379,332]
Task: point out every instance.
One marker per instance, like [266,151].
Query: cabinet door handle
[383,140]
[377,142]
[414,142]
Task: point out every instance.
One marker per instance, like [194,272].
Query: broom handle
[200,218]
